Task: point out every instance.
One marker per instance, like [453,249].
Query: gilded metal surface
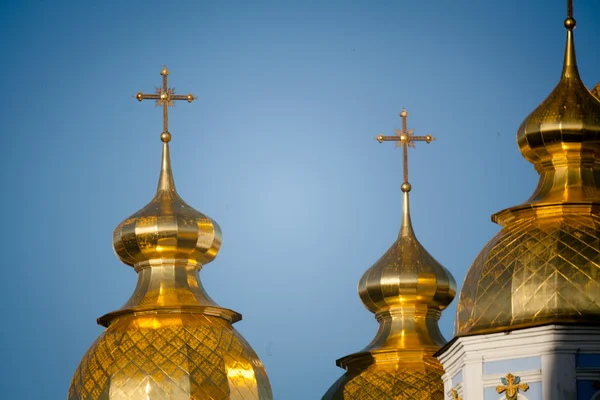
[538,269]
[397,380]
[596,91]
[170,340]
[406,289]
[544,265]
[511,386]
[165,357]
[455,395]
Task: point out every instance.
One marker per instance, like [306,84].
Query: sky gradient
[279,149]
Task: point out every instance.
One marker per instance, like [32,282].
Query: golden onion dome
[170,340]
[406,275]
[407,281]
[563,133]
[166,228]
[406,289]
[542,267]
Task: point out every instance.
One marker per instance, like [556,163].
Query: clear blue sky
[278,149]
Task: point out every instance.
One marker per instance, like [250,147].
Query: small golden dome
[166,228]
[543,266]
[406,289]
[406,275]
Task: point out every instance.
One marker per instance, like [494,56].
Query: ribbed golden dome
[406,289]
[544,265]
[166,228]
[170,340]
[407,283]
[406,275]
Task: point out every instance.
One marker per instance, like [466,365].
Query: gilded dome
[411,275]
[170,341]
[164,357]
[535,271]
[566,125]
[406,289]
[596,91]
[544,265]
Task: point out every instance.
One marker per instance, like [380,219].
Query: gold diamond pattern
[536,270]
[397,381]
[174,357]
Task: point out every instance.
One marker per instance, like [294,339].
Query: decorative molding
[588,374]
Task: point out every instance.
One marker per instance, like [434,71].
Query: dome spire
[406,289]
[570,64]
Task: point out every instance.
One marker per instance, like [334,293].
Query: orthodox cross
[511,385]
[455,395]
[406,139]
[165,97]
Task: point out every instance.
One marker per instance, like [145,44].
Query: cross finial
[405,138]
[165,97]
[511,385]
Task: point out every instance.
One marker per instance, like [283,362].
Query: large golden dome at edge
[543,267]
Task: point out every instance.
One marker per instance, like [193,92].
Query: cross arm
[189,97]
[427,138]
[142,96]
[382,138]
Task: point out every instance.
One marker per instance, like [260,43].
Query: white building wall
[557,362]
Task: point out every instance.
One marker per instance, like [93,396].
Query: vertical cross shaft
[405,138]
[165,97]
